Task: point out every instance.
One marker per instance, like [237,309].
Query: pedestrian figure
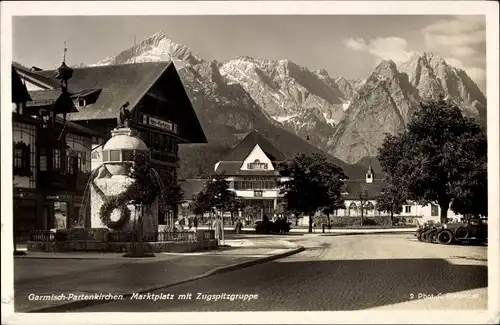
[239,225]
[217,226]
[195,223]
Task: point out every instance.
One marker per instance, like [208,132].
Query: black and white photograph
[232,162]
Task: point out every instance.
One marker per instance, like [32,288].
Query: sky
[349,46]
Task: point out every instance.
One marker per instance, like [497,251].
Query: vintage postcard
[244,162]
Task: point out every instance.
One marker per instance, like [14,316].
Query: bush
[61,235]
[369,222]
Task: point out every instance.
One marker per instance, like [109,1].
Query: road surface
[392,271]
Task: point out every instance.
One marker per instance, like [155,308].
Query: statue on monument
[124,116]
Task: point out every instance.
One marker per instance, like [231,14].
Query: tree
[440,158]
[200,204]
[472,194]
[390,200]
[233,204]
[217,188]
[312,183]
[336,203]
[362,196]
[252,211]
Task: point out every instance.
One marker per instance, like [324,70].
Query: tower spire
[65,50]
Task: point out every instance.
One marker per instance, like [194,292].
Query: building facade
[251,169]
[360,193]
[51,164]
[150,95]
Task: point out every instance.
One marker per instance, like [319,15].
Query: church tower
[369,174]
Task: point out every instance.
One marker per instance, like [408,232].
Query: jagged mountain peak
[386,65]
[158,47]
[322,72]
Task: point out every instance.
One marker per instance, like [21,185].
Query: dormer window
[257,165]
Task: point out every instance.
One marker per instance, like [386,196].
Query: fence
[208,235]
[119,236]
[42,235]
[382,220]
[164,236]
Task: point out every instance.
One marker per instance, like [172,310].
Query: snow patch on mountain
[282,119]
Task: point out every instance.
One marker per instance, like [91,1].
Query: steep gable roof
[243,149]
[47,82]
[19,91]
[353,187]
[119,84]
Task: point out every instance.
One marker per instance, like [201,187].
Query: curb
[223,269]
[366,233]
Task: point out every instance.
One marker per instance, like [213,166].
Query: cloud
[458,25]
[462,36]
[462,41]
[355,44]
[385,48]
[464,51]
[434,40]
[390,48]
[454,62]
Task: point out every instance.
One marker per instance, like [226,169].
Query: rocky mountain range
[285,101]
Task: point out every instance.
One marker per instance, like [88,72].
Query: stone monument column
[113,185]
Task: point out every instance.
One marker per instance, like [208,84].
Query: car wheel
[445,237]
[432,237]
[462,233]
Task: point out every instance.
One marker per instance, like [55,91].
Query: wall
[257,154]
[424,212]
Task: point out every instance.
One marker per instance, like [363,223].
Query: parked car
[427,231]
[280,226]
[472,229]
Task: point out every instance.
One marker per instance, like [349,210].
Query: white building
[358,191]
[251,171]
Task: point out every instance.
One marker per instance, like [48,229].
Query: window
[95,154]
[105,156]
[408,209]
[74,164]
[434,210]
[56,163]
[81,102]
[18,157]
[21,157]
[257,165]
[114,155]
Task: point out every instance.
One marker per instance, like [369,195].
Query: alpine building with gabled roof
[251,169]
[152,92]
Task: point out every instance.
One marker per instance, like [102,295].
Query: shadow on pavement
[291,285]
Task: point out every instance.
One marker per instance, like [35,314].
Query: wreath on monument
[144,190]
